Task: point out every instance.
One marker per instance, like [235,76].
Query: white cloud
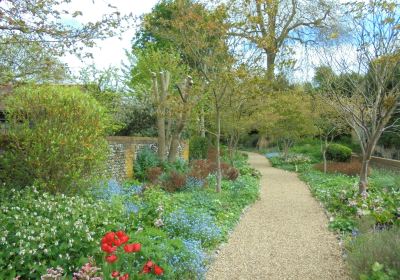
[110,51]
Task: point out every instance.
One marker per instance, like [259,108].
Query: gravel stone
[284,235]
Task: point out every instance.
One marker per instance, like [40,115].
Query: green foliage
[339,193]
[146,158]
[337,152]
[198,147]
[56,136]
[375,255]
[41,230]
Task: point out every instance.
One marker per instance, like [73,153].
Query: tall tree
[369,104]
[271,25]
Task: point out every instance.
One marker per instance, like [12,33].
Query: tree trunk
[202,123]
[366,157]
[161,137]
[324,155]
[271,57]
[363,184]
[173,150]
[219,173]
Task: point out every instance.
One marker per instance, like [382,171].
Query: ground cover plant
[337,190]
[177,231]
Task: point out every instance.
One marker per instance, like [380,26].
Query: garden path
[284,235]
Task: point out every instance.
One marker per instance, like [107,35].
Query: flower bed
[176,231]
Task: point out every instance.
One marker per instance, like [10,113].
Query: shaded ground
[284,235]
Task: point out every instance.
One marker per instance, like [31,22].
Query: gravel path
[284,235]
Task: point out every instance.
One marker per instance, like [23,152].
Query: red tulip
[117,242]
[115,274]
[122,236]
[158,270]
[124,239]
[147,267]
[111,258]
[124,277]
[132,248]
[107,248]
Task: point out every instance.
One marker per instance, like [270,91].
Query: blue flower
[192,260]
[199,226]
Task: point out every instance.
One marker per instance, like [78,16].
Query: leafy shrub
[349,168]
[56,139]
[200,169]
[337,152]
[382,247]
[229,172]
[41,230]
[154,174]
[174,181]
[146,158]
[198,148]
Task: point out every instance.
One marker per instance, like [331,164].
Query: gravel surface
[284,235]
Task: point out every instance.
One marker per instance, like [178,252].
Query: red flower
[124,277]
[158,270]
[131,248]
[122,236]
[111,258]
[115,274]
[117,242]
[147,267]
[107,248]
[108,238]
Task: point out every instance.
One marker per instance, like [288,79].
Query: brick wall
[382,163]
[124,150]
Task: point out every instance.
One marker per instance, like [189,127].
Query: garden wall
[124,150]
[382,162]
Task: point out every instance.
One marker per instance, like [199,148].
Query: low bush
[375,253]
[145,159]
[154,175]
[174,181]
[198,148]
[337,152]
[229,172]
[200,169]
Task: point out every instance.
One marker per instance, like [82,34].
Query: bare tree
[271,24]
[368,101]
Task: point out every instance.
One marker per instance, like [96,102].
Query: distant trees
[271,24]
[367,93]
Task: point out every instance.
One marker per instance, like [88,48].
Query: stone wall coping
[131,140]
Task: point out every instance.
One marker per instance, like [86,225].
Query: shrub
[154,174]
[174,181]
[337,152]
[229,172]
[198,148]
[56,139]
[381,247]
[200,169]
[146,158]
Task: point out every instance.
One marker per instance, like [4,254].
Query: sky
[109,52]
